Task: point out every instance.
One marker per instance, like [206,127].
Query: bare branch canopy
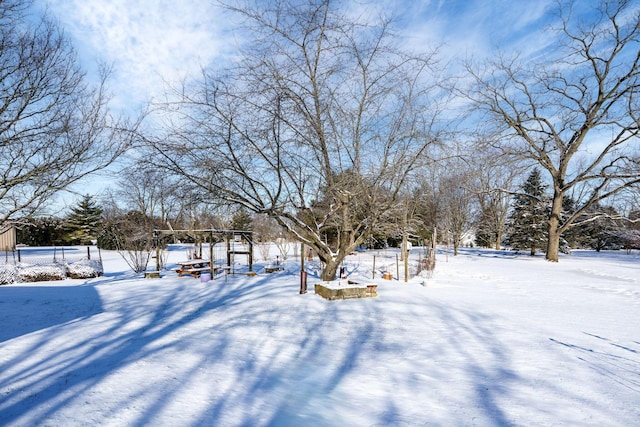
[54,127]
[319,126]
[575,112]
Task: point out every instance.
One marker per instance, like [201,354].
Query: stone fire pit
[345,289]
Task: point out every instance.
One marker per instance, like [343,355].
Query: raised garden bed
[345,289]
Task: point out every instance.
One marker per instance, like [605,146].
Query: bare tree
[152,192]
[129,233]
[425,198]
[455,200]
[265,229]
[54,128]
[319,126]
[575,112]
[493,182]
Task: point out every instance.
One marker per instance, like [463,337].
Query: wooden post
[406,267]
[374,267]
[406,264]
[303,282]
[156,239]
[211,260]
[250,241]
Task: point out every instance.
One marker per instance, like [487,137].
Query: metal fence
[48,255]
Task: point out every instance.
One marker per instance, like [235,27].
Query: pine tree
[84,221]
[486,234]
[43,231]
[528,219]
[601,227]
[242,220]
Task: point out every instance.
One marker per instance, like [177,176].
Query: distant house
[7,238]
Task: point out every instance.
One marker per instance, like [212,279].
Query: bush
[8,274]
[85,269]
[42,273]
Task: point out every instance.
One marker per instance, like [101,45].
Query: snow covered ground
[492,339]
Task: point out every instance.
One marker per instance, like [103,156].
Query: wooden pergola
[213,236]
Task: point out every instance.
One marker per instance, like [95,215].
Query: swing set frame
[213,236]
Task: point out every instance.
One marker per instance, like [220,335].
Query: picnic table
[193,267]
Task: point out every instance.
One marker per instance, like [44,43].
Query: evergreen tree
[486,234]
[574,236]
[83,223]
[242,221]
[44,231]
[528,219]
[630,235]
[600,228]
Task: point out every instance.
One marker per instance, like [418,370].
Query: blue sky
[148,41]
[151,42]
[154,42]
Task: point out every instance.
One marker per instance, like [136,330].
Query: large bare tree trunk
[330,270]
[553,242]
[498,241]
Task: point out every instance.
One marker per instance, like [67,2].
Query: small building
[7,238]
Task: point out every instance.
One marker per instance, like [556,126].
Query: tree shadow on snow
[251,352]
[77,365]
[29,308]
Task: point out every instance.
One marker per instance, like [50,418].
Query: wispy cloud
[478,27]
[150,42]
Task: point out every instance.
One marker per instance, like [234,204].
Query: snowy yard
[493,339]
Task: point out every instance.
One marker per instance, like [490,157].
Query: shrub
[85,269]
[42,273]
[8,274]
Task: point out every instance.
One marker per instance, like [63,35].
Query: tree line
[328,125]
[460,219]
